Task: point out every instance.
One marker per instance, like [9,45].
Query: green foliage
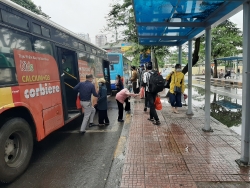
[28,4]
[173,57]
[226,41]
[121,23]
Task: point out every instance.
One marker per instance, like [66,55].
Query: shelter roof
[174,22]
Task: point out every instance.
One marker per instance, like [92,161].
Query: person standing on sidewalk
[102,103]
[133,78]
[121,97]
[146,92]
[150,95]
[86,89]
[177,88]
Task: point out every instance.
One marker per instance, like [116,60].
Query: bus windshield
[114,59]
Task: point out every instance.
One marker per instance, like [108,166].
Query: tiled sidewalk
[179,154]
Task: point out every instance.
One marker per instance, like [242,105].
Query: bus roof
[47,21]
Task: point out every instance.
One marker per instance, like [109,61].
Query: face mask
[178,70]
[100,84]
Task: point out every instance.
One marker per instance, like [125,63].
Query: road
[67,159]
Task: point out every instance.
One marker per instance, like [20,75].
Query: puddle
[226,104]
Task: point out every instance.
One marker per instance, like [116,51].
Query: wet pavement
[179,154]
[67,159]
[139,154]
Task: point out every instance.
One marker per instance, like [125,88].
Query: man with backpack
[154,84]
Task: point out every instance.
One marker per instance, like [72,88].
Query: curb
[115,174]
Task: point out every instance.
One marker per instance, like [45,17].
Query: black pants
[103,115]
[146,99]
[134,87]
[127,105]
[151,99]
[120,109]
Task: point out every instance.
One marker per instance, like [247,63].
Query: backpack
[156,82]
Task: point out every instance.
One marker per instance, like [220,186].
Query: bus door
[106,74]
[69,79]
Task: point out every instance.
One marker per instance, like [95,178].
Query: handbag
[158,105]
[177,89]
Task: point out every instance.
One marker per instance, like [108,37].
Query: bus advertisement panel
[38,78]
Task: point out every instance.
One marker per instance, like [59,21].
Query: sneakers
[92,124]
[101,125]
[120,120]
[150,119]
[107,124]
[157,122]
[145,109]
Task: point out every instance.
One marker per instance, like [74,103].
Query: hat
[101,80]
[142,65]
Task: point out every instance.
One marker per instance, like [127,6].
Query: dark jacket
[102,103]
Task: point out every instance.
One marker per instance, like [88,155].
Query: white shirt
[146,77]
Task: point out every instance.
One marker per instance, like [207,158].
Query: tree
[226,41]
[28,4]
[121,23]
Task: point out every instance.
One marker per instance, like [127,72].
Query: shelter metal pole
[245,129]
[207,127]
[189,112]
[179,55]
[153,57]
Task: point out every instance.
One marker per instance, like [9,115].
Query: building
[85,36]
[100,40]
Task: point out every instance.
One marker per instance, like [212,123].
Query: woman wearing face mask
[177,88]
[102,103]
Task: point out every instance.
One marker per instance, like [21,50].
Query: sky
[88,16]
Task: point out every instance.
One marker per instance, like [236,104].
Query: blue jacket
[102,103]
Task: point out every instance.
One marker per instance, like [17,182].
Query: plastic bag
[158,105]
[78,103]
[142,93]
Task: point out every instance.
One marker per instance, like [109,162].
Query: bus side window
[111,67]
[10,40]
[43,46]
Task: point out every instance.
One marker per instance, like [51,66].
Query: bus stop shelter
[176,22]
[235,60]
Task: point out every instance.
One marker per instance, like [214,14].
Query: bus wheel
[16,145]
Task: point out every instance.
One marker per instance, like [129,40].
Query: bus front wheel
[16,145]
